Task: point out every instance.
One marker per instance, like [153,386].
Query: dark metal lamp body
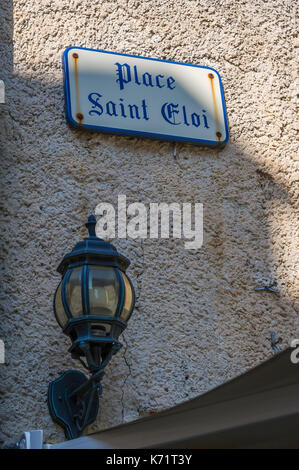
[92,304]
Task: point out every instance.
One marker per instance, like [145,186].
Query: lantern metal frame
[73,398]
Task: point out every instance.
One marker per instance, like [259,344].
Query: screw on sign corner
[79,117]
[211,75]
[75,55]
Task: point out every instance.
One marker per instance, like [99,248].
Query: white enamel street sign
[125,94]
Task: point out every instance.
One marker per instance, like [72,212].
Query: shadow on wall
[53,177]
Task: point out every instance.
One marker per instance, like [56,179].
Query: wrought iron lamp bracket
[73,401]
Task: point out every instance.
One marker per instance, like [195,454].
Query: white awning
[259,409]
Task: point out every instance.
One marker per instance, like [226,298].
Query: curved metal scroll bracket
[73,401]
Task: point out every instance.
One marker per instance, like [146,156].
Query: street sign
[125,94]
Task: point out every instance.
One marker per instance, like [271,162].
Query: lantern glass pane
[61,316]
[73,292]
[103,289]
[128,303]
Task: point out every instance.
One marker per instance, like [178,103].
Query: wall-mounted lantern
[92,304]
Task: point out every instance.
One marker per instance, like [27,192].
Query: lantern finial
[91,225]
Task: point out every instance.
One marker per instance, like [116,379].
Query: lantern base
[73,404]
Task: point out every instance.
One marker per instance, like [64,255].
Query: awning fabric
[258,409]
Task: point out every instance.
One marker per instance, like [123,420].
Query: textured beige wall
[198,321]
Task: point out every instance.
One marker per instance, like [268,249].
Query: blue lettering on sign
[158,81]
[195,119]
[113,109]
[147,79]
[125,76]
[170,82]
[169,112]
[96,108]
[174,114]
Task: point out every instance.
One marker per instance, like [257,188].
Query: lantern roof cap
[94,249]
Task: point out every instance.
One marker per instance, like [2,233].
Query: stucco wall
[198,321]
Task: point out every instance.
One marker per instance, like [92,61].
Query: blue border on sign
[111,130]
